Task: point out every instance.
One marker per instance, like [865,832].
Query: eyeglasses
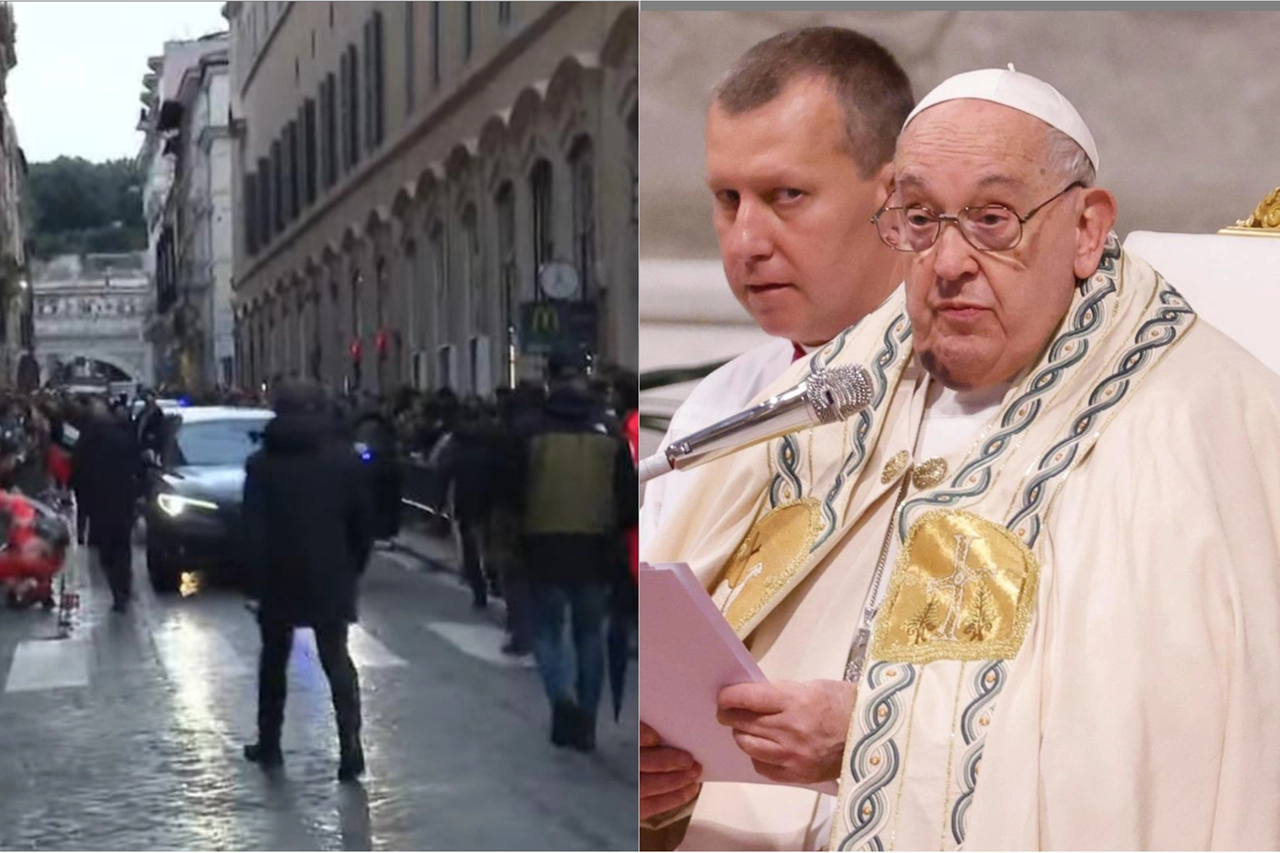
[988,228]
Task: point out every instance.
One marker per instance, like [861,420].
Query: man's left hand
[794,731]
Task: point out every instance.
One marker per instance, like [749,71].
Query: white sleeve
[666,491]
[654,497]
[722,393]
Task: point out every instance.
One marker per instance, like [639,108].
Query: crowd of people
[538,483]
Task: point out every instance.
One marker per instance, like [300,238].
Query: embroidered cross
[955,584]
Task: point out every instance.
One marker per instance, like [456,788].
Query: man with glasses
[1056,526]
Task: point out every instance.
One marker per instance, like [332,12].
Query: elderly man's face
[793,215]
[979,318]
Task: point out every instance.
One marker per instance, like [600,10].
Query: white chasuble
[1079,640]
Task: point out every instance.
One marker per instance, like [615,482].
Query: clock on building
[559,280]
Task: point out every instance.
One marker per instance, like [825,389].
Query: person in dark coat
[308,537]
[503,528]
[579,495]
[150,423]
[85,418]
[377,436]
[466,468]
[111,475]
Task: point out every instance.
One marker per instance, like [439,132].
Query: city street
[128,734]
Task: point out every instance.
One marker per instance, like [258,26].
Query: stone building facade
[16,331]
[88,309]
[403,172]
[186,160]
[200,206]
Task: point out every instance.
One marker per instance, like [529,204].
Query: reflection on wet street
[189,583]
[129,734]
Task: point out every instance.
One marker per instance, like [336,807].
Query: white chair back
[1231,280]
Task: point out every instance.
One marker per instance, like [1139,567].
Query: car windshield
[227,442]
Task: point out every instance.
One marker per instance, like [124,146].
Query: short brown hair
[871,87]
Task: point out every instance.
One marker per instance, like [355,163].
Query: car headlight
[175,505]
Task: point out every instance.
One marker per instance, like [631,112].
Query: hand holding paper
[688,653]
[703,693]
[793,731]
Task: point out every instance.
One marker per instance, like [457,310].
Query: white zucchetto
[1022,92]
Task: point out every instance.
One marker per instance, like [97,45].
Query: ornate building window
[315,358]
[410,42]
[468,31]
[439,283]
[477,293]
[582,170]
[411,297]
[504,204]
[435,44]
[357,319]
[335,315]
[380,292]
[540,191]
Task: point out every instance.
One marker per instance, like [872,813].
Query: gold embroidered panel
[963,589]
[770,555]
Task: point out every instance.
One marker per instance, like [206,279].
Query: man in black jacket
[150,423]
[307,525]
[466,466]
[110,470]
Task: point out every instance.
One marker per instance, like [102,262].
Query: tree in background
[74,206]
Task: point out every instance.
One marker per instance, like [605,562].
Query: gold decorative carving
[1264,221]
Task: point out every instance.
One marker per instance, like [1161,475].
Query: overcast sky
[75,88]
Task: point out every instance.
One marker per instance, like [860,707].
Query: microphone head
[838,393]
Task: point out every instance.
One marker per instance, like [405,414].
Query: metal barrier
[422,489]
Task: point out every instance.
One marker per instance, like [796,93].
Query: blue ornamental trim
[896,335]
[987,684]
[875,760]
[1154,335]
[1067,352]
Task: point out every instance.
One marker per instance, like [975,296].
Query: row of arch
[425,287]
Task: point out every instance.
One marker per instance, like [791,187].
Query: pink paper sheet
[688,653]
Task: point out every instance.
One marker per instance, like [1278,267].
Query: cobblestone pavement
[128,734]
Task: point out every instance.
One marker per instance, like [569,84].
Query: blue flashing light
[366,456]
[183,402]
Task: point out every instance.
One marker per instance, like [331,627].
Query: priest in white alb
[1044,564]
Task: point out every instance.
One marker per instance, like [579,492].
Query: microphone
[831,395]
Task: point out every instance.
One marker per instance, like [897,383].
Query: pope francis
[1045,564]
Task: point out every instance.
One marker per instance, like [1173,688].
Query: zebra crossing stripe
[367,651]
[479,640]
[48,664]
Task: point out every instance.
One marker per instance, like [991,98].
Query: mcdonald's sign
[552,326]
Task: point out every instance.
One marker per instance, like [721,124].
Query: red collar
[797,352]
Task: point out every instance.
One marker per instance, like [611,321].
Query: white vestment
[1079,643]
[724,392]
[953,420]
